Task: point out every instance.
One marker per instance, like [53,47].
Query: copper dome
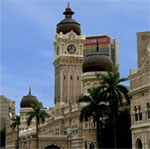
[97,62]
[28,100]
[68,24]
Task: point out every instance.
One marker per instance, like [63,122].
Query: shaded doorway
[92,146]
[149,144]
[138,144]
[52,147]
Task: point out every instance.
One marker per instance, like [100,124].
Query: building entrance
[149,144]
[138,144]
[92,146]
[52,147]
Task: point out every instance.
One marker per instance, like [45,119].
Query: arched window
[138,144]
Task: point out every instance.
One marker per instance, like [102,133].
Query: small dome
[68,24]
[28,100]
[97,62]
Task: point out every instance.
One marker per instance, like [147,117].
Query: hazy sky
[28,28]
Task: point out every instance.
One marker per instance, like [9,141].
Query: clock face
[57,51]
[71,49]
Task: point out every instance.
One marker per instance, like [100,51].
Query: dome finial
[30,90]
[97,46]
[68,12]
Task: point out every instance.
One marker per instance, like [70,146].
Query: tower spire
[30,90]
[68,12]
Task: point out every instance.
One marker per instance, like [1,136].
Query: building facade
[140,94]
[7,108]
[77,61]
[63,129]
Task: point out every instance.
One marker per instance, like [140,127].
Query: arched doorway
[92,146]
[149,144]
[52,147]
[138,144]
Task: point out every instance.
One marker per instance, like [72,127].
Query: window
[77,77]
[65,131]
[140,116]
[57,131]
[86,124]
[140,113]
[148,110]
[85,145]
[64,77]
[71,77]
[136,117]
[74,107]
[74,129]
[135,113]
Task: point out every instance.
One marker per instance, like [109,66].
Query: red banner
[144,37]
[101,40]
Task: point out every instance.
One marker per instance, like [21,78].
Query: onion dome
[68,24]
[28,100]
[97,62]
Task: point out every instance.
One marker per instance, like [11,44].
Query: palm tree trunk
[17,142]
[37,135]
[114,110]
[114,130]
[97,133]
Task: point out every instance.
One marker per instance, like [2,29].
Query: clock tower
[68,45]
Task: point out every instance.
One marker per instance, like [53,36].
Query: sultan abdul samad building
[77,60]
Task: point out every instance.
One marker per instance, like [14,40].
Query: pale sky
[28,28]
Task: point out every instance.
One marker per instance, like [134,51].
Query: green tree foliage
[123,131]
[2,137]
[40,116]
[95,108]
[113,92]
[15,124]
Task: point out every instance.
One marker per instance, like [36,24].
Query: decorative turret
[68,24]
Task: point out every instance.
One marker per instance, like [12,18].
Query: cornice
[53,137]
[74,36]
[139,73]
[139,89]
[91,75]
[67,60]
[140,126]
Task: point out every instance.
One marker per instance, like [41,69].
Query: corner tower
[68,45]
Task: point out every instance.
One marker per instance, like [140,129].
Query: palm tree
[95,109]
[15,124]
[113,91]
[39,115]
